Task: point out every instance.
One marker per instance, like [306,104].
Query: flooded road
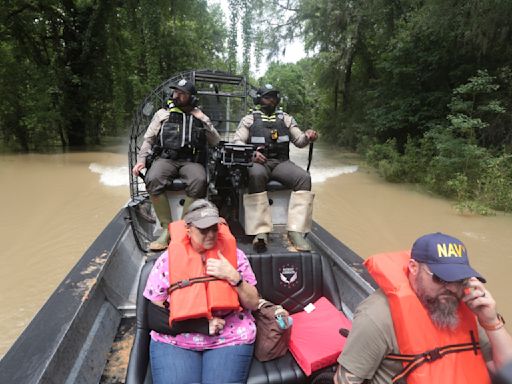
[55,206]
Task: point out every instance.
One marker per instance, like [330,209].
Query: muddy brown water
[55,205]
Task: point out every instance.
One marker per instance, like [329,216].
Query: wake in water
[111,176]
[319,175]
[118,176]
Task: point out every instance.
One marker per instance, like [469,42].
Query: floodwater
[56,204]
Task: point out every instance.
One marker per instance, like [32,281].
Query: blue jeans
[171,364]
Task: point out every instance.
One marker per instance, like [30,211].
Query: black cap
[185,86]
[267,89]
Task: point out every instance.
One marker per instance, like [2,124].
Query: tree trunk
[346,81]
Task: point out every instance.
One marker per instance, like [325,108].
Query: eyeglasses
[204,231]
[436,279]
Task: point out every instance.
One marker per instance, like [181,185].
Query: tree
[72,70]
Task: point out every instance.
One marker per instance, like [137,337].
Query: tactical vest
[181,136]
[272,133]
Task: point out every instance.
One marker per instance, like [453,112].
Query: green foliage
[72,71]
[422,88]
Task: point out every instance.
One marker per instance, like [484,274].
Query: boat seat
[274,185]
[290,279]
[139,366]
[176,185]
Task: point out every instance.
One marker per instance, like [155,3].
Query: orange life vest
[429,354]
[193,293]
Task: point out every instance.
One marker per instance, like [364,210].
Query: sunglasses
[436,279]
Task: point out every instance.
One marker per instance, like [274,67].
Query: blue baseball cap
[445,255]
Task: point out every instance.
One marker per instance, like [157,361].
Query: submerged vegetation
[422,89]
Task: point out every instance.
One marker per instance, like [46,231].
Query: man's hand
[259,157]
[199,115]
[312,135]
[137,168]
[221,268]
[480,301]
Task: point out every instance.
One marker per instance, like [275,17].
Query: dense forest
[421,88]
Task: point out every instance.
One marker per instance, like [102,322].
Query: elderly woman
[203,276]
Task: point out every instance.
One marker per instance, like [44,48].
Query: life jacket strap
[191,281]
[416,361]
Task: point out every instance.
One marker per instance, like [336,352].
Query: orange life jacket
[429,354]
[193,293]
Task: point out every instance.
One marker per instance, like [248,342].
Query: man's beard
[177,102]
[443,311]
[268,109]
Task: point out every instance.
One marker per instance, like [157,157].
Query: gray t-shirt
[372,337]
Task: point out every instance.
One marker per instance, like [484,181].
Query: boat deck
[119,355]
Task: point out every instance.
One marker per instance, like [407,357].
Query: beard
[443,308]
[268,109]
[178,103]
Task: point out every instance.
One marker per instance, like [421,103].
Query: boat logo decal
[289,275]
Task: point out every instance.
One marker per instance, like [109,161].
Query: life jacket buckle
[433,355]
[183,283]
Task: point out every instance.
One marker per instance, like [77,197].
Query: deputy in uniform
[177,136]
[271,130]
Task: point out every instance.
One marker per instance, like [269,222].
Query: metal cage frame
[213,88]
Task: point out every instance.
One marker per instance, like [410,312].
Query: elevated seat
[175,192]
[274,185]
[290,279]
[177,185]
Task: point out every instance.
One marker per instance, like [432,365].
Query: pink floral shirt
[239,328]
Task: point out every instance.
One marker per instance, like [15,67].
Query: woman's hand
[216,325]
[221,268]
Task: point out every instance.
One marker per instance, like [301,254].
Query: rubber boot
[298,241]
[186,204]
[300,217]
[260,242]
[163,213]
[258,220]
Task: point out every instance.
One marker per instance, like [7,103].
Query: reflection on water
[56,205]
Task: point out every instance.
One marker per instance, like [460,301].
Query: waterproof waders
[163,213]
[300,217]
[258,220]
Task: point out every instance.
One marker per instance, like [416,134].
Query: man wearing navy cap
[176,138]
[431,320]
